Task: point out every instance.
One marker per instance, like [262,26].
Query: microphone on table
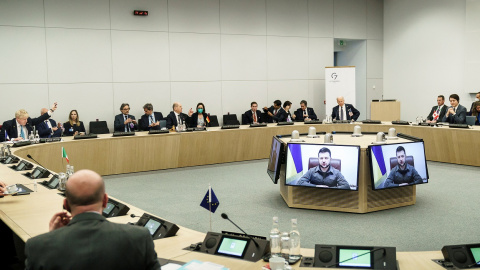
[30,157]
[224,216]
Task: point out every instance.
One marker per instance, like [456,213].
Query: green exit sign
[341,43]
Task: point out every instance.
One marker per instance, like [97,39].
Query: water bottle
[275,247]
[285,242]
[294,241]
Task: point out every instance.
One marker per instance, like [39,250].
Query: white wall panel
[293,91]
[122,18]
[237,96]
[320,18]
[35,96]
[138,94]
[23,55]
[194,57]
[287,18]
[350,19]
[22,13]
[374,19]
[244,57]
[374,59]
[91,100]
[320,52]
[92,14]
[196,16]
[243,17]
[191,93]
[472,21]
[140,56]
[287,58]
[374,93]
[79,55]
[316,93]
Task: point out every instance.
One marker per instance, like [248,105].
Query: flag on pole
[6,136]
[210,201]
[64,155]
[208,119]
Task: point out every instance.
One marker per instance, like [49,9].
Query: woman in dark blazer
[475,112]
[200,117]
[74,126]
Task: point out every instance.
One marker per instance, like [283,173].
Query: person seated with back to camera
[200,118]
[74,126]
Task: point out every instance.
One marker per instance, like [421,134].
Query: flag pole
[210,203]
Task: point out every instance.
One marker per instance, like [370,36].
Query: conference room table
[28,215]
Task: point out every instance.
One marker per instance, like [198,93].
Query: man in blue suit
[304,113]
[344,111]
[125,122]
[456,114]
[48,128]
[150,120]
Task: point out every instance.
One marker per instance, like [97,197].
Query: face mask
[476,99]
[200,110]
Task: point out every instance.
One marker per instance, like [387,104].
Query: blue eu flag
[210,201]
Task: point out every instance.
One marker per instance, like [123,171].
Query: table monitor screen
[476,254]
[396,165]
[36,172]
[354,258]
[153,225]
[231,246]
[53,182]
[8,160]
[322,165]
[20,166]
[274,162]
[107,210]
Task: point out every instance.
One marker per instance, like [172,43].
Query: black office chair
[230,119]
[99,127]
[213,121]
[244,120]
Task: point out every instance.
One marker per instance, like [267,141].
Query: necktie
[22,134]
[179,120]
[305,113]
[275,112]
[254,117]
[455,110]
[126,125]
[341,113]
[151,119]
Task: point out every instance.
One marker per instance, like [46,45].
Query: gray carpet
[446,212]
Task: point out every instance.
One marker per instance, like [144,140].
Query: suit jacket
[91,242]
[348,107]
[144,122]
[443,111]
[249,117]
[119,125]
[460,116]
[10,126]
[194,120]
[67,127]
[299,114]
[45,132]
[172,119]
[281,116]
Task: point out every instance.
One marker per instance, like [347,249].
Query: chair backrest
[244,120]
[335,163]
[99,127]
[163,124]
[408,159]
[230,119]
[471,120]
[213,120]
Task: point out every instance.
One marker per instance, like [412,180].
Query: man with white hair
[344,111]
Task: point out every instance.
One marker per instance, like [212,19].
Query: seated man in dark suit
[48,128]
[438,112]
[304,113]
[456,114]
[344,111]
[176,117]
[84,239]
[273,110]
[404,173]
[253,115]
[151,119]
[125,122]
[19,127]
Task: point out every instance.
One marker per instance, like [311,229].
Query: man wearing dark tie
[176,117]
[456,114]
[304,113]
[125,122]
[438,112]
[273,110]
[19,127]
[253,115]
[150,120]
[48,128]
[344,111]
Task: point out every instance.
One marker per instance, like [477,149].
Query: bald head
[177,107]
[85,190]
[43,111]
[340,101]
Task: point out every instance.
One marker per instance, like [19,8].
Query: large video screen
[274,162]
[397,165]
[322,166]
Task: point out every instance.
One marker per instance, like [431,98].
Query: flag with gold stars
[210,201]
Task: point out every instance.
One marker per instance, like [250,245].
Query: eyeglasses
[126,109]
